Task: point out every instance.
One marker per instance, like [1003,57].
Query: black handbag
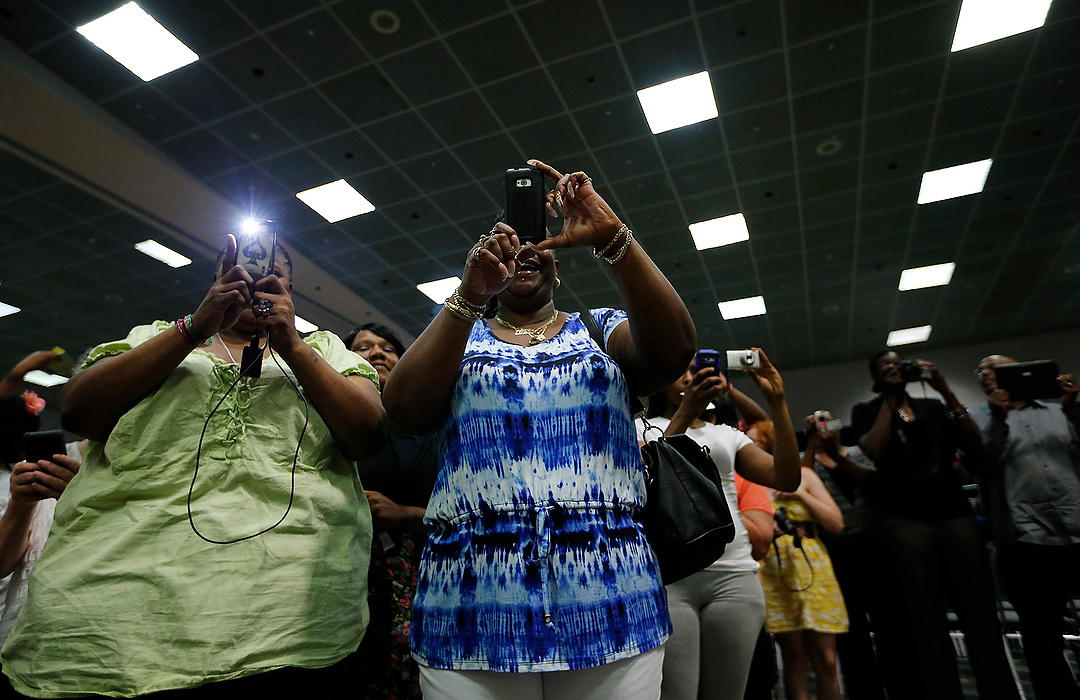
[686,516]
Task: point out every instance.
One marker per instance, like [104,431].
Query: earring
[558,283]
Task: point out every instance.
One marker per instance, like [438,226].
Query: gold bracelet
[459,300]
[599,253]
[461,312]
[622,251]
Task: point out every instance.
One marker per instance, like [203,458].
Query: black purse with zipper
[686,516]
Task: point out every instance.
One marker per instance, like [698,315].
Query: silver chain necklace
[226,346]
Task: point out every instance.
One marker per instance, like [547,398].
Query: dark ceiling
[291,94]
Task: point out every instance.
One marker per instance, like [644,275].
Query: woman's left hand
[767,377]
[280,320]
[587,218]
[934,378]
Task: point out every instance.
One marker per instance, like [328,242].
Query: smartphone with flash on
[256,248]
[523,202]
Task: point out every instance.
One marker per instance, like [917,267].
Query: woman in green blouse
[132,595]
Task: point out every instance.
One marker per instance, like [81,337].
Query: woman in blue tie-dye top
[537,561]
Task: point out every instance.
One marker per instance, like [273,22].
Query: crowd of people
[462,518]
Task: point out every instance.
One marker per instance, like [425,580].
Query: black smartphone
[706,358]
[256,248]
[43,445]
[523,202]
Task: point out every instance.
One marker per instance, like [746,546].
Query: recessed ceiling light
[439,290]
[957,181]
[906,336]
[741,308]
[929,276]
[36,376]
[303,325]
[8,309]
[678,102]
[159,252]
[717,232]
[138,42]
[981,21]
[335,201]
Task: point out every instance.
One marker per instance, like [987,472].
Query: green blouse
[126,599]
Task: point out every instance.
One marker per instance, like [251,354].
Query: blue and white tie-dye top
[536,560]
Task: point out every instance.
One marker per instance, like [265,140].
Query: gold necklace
[537,334]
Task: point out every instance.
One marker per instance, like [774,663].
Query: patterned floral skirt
[383,667]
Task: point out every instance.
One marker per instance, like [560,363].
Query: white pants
[636,678]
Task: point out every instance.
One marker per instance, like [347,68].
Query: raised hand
[280,320]
[999,403]
[491,264]
[587,218]
[37,481]
[767,377]
[934,378]
[1069,390]
[223,304]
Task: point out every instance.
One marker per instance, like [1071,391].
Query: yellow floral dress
[801,592]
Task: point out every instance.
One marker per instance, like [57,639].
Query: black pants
[1039,580]
[857,573]
[934,565]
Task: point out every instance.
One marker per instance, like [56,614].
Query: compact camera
[743,359]
[822,424]
[910,370]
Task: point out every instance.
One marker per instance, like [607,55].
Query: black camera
[910,370]
[783,521]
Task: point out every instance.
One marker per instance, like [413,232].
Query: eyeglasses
[980,372]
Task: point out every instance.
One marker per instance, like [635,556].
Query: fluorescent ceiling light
[678,102]
[981,21]
[36,376]
[717,232]
[906,336]
[335,201]
[439,290]
[8,309]
[159,252]
[957,181]
[303,325]
[929,276]
[740,308]
[138,42]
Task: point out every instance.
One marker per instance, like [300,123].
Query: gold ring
[476,254]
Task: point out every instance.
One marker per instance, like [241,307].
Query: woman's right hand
[36,481]
[491,264]
[706,386]
[227,298]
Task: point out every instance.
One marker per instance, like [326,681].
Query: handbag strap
[636,409]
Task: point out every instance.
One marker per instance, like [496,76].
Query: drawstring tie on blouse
[542,558]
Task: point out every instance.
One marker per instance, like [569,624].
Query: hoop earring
[558,283]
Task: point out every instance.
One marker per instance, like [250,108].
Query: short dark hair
[384,332]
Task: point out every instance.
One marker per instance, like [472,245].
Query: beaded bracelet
[184,326]
[621,252]
[461,312]
[600,252]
